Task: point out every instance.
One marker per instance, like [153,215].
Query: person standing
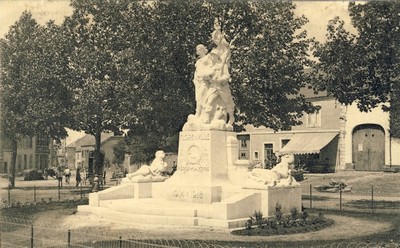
[78,176]
[67,174]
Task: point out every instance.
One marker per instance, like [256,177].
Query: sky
[317,12]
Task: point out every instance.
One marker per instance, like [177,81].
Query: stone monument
[211,187]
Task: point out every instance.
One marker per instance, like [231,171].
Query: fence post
[0,239]
[372,198]
[340,196]
[58,191]
[69,239]
[9,196]
[310,196]
[34,194]
[31,236]
[120,241]
[81,191]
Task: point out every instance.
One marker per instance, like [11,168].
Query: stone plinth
[231,211]
[202,157]
[288,197]
[202,167]
[205,191]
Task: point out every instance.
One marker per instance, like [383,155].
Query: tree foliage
[362,67]
[103,96]
[33,97]
[130,64]
[119,152]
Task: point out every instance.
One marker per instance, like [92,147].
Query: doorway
[369,147]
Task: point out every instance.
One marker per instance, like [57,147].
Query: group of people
[80,176]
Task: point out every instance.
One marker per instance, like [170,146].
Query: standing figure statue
[214,102]
[202,76]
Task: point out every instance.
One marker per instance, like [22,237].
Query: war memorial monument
[211,187]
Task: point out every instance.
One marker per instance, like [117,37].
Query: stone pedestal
[206,190]
[202,167]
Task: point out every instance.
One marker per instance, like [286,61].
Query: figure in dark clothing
[78,176]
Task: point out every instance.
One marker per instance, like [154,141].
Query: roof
[89,140]
[307,143]
[309,93]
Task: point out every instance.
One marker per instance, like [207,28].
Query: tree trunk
[97,161]
[13,166]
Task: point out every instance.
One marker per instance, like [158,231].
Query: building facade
[336,137]
[80,150]
[32,153]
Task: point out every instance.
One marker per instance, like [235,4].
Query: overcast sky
[318,13]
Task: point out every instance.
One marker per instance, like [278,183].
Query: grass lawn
[384,184]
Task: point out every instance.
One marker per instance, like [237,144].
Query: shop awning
[307,143]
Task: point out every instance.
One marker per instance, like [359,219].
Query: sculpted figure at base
[156,172]
[279,176]
[214,102]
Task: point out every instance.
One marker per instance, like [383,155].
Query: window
[25,161]
[19,162]
[284,142]
[30,143]
[314,119]
[244,143]
[256,157]
[42,140]
[30,161]
[269,155]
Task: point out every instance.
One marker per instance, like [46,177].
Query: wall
[108,147]
[257,141]
[330,115]
[70,154]
[395,147]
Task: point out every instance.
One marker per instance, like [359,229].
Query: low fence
[24,233]
[337,199]
[342,199]
[360,245]
[36,194]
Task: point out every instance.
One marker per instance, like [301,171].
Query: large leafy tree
[269,53]
[34,99]
[102,93]
[362,67]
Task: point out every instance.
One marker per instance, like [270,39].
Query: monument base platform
[147,203]
[206,189]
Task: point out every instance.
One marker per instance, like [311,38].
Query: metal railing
[16,232]
[361,245]
[347,201]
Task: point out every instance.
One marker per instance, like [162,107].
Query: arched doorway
[368,147]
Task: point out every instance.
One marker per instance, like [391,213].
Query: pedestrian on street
[67,174]
[59,178]
[78,176]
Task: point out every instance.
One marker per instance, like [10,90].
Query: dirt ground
[343,228]
[386,187]
[384,184]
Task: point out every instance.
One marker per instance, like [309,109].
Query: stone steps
[107,214]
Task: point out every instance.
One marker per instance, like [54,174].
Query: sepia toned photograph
[199,123]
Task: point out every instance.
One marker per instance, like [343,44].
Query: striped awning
[307,143]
